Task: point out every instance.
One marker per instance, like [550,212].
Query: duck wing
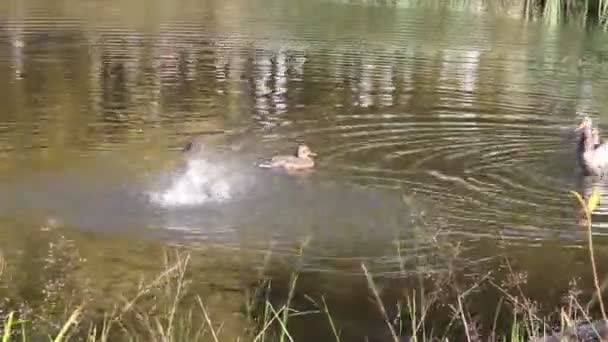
[279,161]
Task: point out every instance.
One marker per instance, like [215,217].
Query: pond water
[466,112]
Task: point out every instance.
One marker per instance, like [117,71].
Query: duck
[591,151]
[194,146]
[300,161]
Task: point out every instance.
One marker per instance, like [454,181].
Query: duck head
[304,152]
[194,146]
[585,122]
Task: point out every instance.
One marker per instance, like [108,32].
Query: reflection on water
[469,111]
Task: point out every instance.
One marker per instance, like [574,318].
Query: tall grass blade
[292,290]
[8,327]
[283,326]
[331,321]
[200,302]
[515,330]
[372,287]
[262,333]
[596,281]
[594,200]
[2,265]
[292,287]
[73,320]
[463,318]
[23,334]
[266,310]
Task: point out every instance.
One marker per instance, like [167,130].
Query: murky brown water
[469,110]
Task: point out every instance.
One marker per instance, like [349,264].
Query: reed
[165,309]
[588,209]
[176,323]
[372,287]
[331,320]
[602,12]
[555,11]
[2,265]
[552,12]
[177,314]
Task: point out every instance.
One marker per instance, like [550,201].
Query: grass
[526,323]
[164,309]
[588,207]
[167,309]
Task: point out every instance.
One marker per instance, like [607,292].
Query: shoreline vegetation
[554,11]
[167,307]
[585,12]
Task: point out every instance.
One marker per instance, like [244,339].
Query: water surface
[470,111]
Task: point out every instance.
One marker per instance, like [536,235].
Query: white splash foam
[201,182]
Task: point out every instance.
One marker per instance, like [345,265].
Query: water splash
[200,182]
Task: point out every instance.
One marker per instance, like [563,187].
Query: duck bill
[312,154]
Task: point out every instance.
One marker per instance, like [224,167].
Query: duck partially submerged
[300,161]
[592,153]
[194,146]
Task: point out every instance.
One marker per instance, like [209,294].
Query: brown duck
[300,161]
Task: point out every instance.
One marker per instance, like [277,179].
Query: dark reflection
[115,93]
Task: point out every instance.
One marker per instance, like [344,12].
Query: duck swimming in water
[592,153]
[300,161]
[194,146]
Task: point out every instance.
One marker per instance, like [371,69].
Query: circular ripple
[487,174]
